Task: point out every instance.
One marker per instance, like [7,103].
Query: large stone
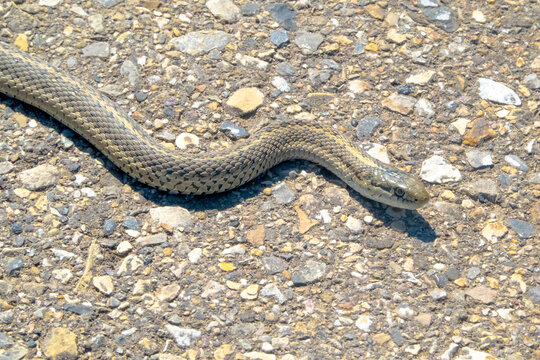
[61,343]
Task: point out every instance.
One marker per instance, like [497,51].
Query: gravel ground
[294,265]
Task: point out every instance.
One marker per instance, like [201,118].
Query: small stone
[424,108]
[310,272]
[284,14]
[438,294]
[478,132]
[473,273]
[381,338]
[516,162]
[523,228]
[396,336]
[394,36]
[364,323]
[130,265]
[484,190]
[109,3]
[482,294]
[6,167]
[50,3]
[367,126]
[399,103]
[479,159]
[252,62]
[224,9]
[479,16]
[140,96]
[380,243]
[279,38]
[226,266]
[534,295]
[246,100]
[184,140]
[95,21]
[281,84]
[212,288]
[283,194]
[251,9]
[124,247]
[104,284]
[497,92]
[250,293]
[424,319]
[172,216]
[195,255]
[441,16]
[420,78]
[183,337]
[130,71]
[274,265]
[358,86]
[285,69]
[152,240]
[39,178]
[202,42]
[109,227]
[98,49]
[168,293]
[12,265]
[437,170]
[273,290]
[234,131]
[460,125]
[308,42]
[354,225]
[5,341]
[62,275]
[131,223]
[255,355]
[375,11]
[21,42]
[61,343]
[494,231]
[256,236]
[532,81]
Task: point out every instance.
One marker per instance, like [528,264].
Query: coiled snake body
[128,146]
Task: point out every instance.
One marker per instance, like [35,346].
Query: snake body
[106,126]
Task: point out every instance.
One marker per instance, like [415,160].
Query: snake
[104,124]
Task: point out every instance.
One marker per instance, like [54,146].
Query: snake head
[399,189]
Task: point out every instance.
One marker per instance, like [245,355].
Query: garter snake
[106,126]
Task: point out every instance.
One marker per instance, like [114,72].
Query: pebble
[364,323]
[424,108]
[524,229]
[420,78]
[436,170]
[172,216]
[224,9]
[233,131]
[396,336]
[402,104]
[283,194]
[285,69]
[479,159]
[479,131]
[62,275]
[482,294]
[104,284]
[255,355]
[39,178]
[251,9]
[184,140]
[131,223]
[95,21]
[438,294]
[195,255]
[478,16]
[494,231]
[5,341]
[124,247]
[109,3]
[97,49]
[460,125]
[516,162]
[394,36]
[140,96]
[532,81]
[152,240]
[308,42]
[281,84]
[50,3]
[13,265]
[109,227]
[130,71]
[312,271]
[279,38]
[60,343]
[183,337]
[534,294]
[273,290]
[245,100]
[354,225]
[484,190]
[202,42]
[367,127]
[6,167]
[252,62]
[497,92]
[274,265]
[441,16]
[284,14]
[251,292]
[405,89]
[62,254]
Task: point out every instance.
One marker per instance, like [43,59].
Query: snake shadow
[417,226]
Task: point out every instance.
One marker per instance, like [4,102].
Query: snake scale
[100,121]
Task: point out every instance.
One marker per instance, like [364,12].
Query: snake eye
[399,192]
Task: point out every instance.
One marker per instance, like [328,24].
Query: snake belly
[107,127]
